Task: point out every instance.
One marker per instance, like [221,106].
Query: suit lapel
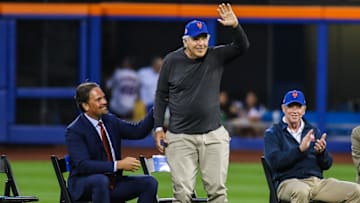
[94,137]
[92,130]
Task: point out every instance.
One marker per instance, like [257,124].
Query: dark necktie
[105,142]
[109,156]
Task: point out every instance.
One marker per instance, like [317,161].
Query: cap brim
[197,34]
[291,102]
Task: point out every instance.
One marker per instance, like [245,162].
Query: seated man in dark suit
[93,141]
[296,151]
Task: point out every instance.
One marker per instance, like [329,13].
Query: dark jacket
[285,158]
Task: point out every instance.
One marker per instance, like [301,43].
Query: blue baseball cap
[195,28]
[294,96]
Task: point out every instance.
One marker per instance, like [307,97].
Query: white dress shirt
[95,122]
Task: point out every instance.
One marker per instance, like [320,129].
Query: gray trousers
[313,188]
[208,152]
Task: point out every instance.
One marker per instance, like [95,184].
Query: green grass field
[246,181]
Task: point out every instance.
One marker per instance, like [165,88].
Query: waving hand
[227,15]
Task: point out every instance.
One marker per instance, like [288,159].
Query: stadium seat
[62,166]
[271,183]
[158,163]
[10,185]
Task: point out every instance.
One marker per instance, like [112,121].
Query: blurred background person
[139,110]
[124,87]
[249,122]
[253,110]
[229,109]
[148,77]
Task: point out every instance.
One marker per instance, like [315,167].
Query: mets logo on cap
[199,25]
[294,96]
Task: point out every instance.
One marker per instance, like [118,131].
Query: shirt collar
[94,122]
[301,128]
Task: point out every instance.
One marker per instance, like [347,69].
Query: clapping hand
[320,145]
[305,142]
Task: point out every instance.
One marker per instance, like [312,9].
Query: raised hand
[320,145]
[305,142]
[227,15]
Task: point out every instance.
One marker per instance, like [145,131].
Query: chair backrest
[62,166]
[11,192]
[158,163]
[270,181]
[10,184]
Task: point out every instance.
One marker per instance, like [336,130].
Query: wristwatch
[158,129]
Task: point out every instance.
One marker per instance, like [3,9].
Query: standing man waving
[189,85]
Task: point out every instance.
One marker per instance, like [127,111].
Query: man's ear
[283,108]
[303,110]
[184,43]
[85,106]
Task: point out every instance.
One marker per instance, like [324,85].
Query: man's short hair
[82,93]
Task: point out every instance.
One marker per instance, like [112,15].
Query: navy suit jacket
[87,152]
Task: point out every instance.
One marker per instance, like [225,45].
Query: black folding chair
[158,163]
[271,183]
[62,166]
[10,185]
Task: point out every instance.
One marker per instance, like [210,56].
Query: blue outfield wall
[257,144]
[338,127]
[252,144]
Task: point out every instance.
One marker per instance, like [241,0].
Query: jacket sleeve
[81,160]
[139,130]
[237,47]
[278,158]
[162,93]
[241,40]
